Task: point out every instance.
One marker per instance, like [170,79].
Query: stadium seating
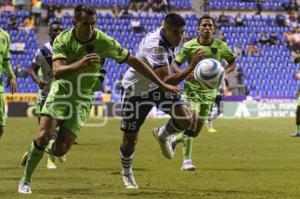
[269,74]
[243,5]
[180,4]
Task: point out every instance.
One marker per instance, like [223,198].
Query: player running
[199,99]
[42,66]
[5,67]
[78,57]
[157,50]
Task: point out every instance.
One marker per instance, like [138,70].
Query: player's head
[173,27]
[54,29]
[206,26]
[85,18]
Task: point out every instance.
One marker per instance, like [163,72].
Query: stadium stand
[268,74]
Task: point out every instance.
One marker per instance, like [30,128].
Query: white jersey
[155,51]
[43,58]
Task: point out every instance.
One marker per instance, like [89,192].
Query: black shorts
[136,108]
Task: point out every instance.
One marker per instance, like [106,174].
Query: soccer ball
[209,73]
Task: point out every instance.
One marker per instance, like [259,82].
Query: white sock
[162,133]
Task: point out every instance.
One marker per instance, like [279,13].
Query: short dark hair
[207,17]
[174,19]
[82,8]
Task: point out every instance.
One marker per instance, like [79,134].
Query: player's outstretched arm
[60,68]
[143,69]
[182,74]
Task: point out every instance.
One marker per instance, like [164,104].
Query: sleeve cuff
[124,60]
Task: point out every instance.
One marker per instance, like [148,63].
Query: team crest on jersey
[120,50]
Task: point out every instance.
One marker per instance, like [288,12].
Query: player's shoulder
[46,49]
[4,33]
[65,35]
[100,35]
[219,42]
[191,42]
[153,38]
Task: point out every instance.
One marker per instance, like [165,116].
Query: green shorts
[298,100]
[3,115]
[73,111]
[200,101]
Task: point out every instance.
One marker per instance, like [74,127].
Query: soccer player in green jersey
[5,67]
[199,99]
[78,55]
[42,63]
[297,132]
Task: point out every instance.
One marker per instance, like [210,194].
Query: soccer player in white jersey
[158,51]
[42,62]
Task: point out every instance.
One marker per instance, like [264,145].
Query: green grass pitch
[245,159]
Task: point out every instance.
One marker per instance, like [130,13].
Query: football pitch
[244,159]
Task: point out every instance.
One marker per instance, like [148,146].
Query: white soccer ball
[209,73]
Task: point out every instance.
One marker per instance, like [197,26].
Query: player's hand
[198,56]
[12,84]
[171,88]
[42,84]
[92,59]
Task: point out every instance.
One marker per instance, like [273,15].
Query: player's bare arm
[33,71]
[60,68]
[182,74]
[11,78]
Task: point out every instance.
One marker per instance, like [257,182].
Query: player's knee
[42,140]
[129,140]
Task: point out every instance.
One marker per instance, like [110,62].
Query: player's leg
[69,129]
[36,151]
[3,115]
[213,115]
[134,112]
[187,141]
[216,110]
[297,133]
[200,106]
[180,119]
[1,131]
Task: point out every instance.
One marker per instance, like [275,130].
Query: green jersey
[218,50]
[86,79]
[4,57]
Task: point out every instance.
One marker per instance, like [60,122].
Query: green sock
[33,158]
[298,128]
[187,147]
[179,137]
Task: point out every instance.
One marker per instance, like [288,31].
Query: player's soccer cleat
[24,159]
[129,181]
[165,145]
[296,134]
[51,163]
[211,130]
[188,166]
[24,187]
